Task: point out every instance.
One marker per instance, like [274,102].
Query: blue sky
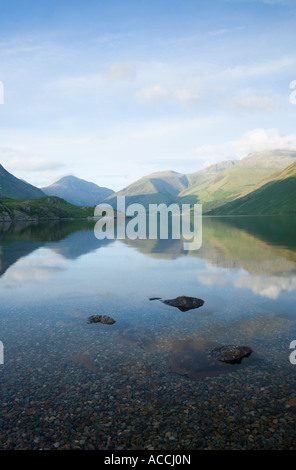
[113,90]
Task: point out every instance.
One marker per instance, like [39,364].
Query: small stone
[101,319]
[184,303]
[231,354]
[291,402]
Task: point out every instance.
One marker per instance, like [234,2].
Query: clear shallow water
[144,382]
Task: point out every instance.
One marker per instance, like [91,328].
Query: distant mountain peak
[277,158]
[78,191]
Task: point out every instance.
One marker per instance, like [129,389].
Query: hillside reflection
[262,247]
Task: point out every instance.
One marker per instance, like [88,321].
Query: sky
[112,90]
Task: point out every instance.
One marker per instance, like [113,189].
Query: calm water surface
[145,382]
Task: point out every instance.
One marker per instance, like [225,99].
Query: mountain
[156,188]
[236,179]
[12,187]
[269,158]
[212,187]
[202,176]
[78,191]
[273,195]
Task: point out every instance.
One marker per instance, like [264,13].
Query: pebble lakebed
[69,385]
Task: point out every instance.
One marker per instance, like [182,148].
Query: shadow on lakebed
[188,358]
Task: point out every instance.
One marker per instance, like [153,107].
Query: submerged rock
[184,303]
[231,354]
[198,358]
[101,319]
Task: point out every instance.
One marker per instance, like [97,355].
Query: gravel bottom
[95,388]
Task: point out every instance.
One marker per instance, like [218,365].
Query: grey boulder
[231,354]
[101,319]
[184,303]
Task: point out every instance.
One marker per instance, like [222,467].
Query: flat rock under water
[101,319]
[185,303]
[231,354]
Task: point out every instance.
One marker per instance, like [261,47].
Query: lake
[146,381]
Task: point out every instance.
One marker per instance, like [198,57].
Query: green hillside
[12,187]
[208,173]
[237,179]
[273,195]
[212,187]
[46,207]
[156,188]
[225,187]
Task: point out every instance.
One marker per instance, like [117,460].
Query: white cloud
[219,32]
[112,38]
[251,101]
[184,95]
[19,45]
[160,94]
[212,279]
[118,71]
[270,287]
[263,139]
[40,266]
[35,164]
[251,141]
[154,93]
[16,160]
[86,83]
[70,85]
[253,70]
[36,170]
